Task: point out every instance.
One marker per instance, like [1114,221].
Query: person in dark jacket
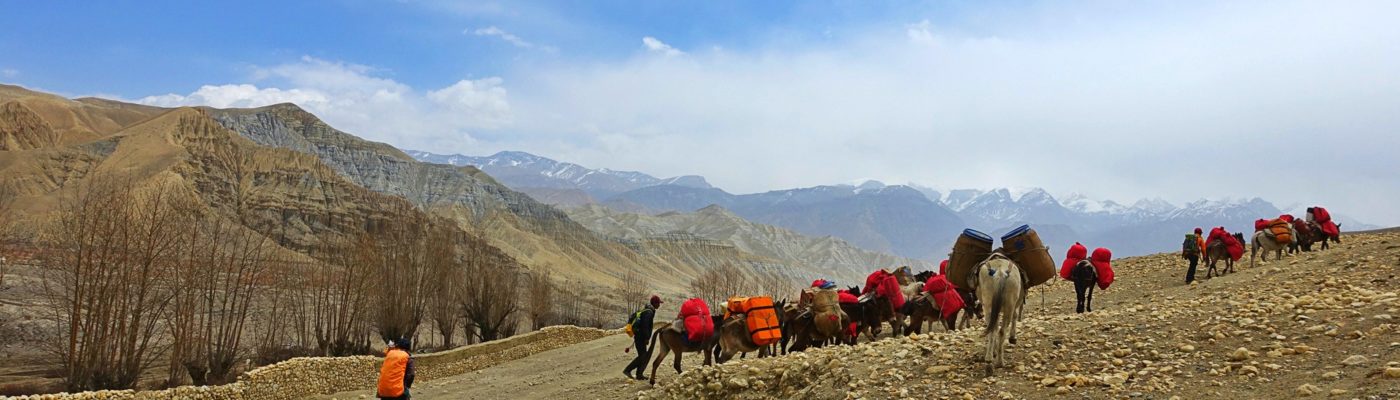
[641,328]
[397,373]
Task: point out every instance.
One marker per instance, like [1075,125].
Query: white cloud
[351,98]
[1180,102]
[9,72]
[657,46]
[508,37]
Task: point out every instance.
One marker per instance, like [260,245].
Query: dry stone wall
[309,376]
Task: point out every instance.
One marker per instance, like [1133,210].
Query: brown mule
[675,342]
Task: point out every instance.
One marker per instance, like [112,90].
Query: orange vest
[391,374]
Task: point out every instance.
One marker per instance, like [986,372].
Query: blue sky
[1118,100]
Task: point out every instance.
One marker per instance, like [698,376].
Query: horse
[1216,250]
[1265,240]
[1085,277]
[1002,285]
[673,341]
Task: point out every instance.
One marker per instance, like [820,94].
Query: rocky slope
[1317,325]
[843,260]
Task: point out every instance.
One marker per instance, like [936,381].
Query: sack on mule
[1076,253]
[1101,259]
[696,316]
[1281,231]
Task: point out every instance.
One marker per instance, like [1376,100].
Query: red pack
[1321,215]
[1235,248]
[884,284]
[943,267]
[1260,224]
[845,297]
[1076,253]
[1286,217]
[696,316]
[945,294]
[1101,260]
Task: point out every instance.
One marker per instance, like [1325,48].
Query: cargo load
[1286,217]
[1281,231]
[1023,246]
[761,317]
[1076,253]
[695,315]
[826,311]
[971,248]
[1260,224]
[1324,220]
[883,284]
[1101,259]
[1233,246]
[944,294]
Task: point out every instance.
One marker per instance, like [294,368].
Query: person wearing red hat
[1191,251]
[641,334]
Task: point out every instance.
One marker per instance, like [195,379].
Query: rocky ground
[1317,325]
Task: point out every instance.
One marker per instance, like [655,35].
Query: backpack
[631,320]
[1190,247]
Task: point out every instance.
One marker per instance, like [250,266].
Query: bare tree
[113,250]
[447,280]
[340,297]
[541,292]
[491,300]
[216,288]
[633,288]
[717,284]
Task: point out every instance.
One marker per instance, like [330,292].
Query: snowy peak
[521,170]
[1155,205]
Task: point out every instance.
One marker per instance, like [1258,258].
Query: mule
[673,341]
[1085,277]
[1216,250]
[1263,240]
[1001,284]
[734,338]
[924,309]
[1304,238]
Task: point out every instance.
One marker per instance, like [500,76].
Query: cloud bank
[352,98]
[1290,101]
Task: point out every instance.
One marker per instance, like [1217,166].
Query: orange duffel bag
[1281,230]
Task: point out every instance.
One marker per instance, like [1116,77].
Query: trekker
[1191,251]
[640,322]
[396,375]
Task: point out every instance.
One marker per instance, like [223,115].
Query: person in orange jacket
[396,375]
[1201,240]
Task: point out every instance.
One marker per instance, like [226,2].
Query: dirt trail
[589,370]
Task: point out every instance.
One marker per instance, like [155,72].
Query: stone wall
[309,376]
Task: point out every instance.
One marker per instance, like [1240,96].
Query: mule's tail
[657,334]
[998,297]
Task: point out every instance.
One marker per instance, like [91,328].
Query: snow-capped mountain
[908,220]
[525,171]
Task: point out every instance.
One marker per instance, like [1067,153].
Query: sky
[1297,102]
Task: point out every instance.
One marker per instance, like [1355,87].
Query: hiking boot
[640,377]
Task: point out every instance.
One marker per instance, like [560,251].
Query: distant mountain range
[912,221]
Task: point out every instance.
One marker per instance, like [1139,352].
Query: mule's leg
[662,350]
[1088,300]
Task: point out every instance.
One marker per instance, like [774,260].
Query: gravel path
[589,370]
